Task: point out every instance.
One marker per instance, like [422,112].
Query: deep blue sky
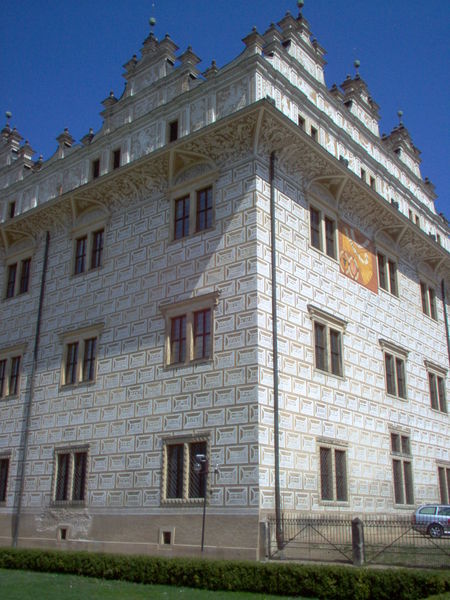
[59,59]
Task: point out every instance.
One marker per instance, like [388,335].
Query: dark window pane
[204,209]
[95,168]
[390,375]
[24,275]
[2,377]
[330,233]
[116,159]
[14,376]
[401,383]
[173,131]
[326,475]
[62,476]
[395,442]
[174,482]
[441,394]
[433,391]
[197,476]
[90,347]
[80,255]
[79,475]
[4,468]
[320,346]
[409,492]
[336,358]
[315,228]
[341,475]
[398,482]
[71,363]
[181,228]
[393,277]
[178,339]
[202,334]
[432,302]
[97,249]
[382,277]
[11,282]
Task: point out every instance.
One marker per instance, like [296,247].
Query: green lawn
[28,585]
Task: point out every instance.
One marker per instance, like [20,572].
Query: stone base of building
[226,536]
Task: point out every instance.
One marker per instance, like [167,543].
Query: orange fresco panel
[357,257]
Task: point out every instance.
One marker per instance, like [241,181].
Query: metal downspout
[444,304]
[279,528]
[27,407]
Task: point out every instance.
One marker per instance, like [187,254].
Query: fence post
[358,542]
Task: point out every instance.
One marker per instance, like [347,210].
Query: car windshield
[428,510]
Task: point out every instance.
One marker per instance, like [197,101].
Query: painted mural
[357,257]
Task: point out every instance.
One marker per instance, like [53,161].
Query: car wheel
[435,530]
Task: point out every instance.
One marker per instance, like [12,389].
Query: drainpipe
[444,304]
[27,407]
[276,426]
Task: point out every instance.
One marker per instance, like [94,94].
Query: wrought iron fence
[383,540]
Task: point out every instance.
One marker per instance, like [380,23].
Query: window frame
[387,272]
[332,475]
[71,488]
[190,194]
[444,482]
[396,379]
[13,286]
[187,310]
[78,356]
[331,325]
[11,361]
[184,479]
[91,224]
[428,300]
[402,469]
[437,378]
[325,216]
[5,467]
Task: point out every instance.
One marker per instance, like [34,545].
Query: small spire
[152,19]
[357,64]
[400,115]
[300,4]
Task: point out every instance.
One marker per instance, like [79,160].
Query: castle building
[236,285]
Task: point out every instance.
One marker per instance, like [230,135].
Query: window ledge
[329,374]
[68,503]
[182,502]
[396,397]
[322,253]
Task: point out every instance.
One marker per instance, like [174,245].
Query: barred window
[333,474]
[70,475]
[402,469]
[184,477]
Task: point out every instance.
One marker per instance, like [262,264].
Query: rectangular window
[116,158]
[372,182]
[185,476]
[18,278]
[95,168]
[189,330]
[314,133]
[333,474]
[428,297]
[328,349]
[182,209]
[437,392]
[387,274]
[395,375]
[70,475]
[80,357]
[4,470]
[444,484]
[10,363]
[301,122]
[363,175]
[12,210]
[322,232]
[89,245]
[402,469]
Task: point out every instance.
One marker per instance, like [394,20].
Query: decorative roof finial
[400,115]
[300,4]
[8,115]
[152,19]
[357,64]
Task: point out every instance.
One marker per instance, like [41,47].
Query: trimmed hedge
[323,582]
